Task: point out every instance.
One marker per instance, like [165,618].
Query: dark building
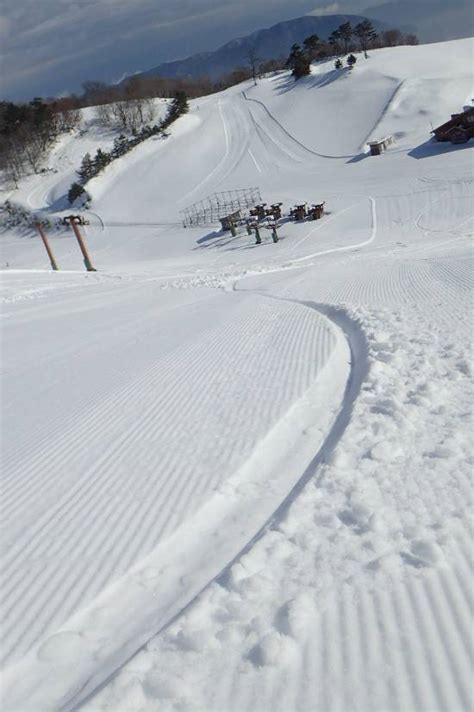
[459,129]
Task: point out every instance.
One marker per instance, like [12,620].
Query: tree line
[27,131]
[342,40]
[91,167]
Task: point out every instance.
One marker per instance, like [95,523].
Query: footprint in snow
[422,553]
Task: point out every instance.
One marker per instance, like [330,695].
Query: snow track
[238,477]
[296,146]
[361,593]
[84,516]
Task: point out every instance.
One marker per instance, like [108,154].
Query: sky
[50,47]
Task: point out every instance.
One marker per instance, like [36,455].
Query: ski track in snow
[396,599]
[64,527]
[337,512]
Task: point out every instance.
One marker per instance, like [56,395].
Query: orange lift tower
[42,233]
[74,221]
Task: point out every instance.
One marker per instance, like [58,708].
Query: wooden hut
[377,147]
[459,129]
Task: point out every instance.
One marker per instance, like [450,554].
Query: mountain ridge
[271,42]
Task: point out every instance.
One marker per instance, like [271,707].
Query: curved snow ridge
[70,664]
[359,598]
[387,108]
[292,138]
[236,143]
[155,452]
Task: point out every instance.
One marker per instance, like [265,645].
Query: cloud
[332,9]
[52,46]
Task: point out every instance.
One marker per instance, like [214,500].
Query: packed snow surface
[237,477]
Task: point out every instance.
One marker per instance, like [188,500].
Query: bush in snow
[351,60]
[12,215]
[76,191]
[299,62]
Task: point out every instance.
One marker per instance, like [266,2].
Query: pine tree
[101,159]
[120,146]
[178,106]
[311,45]
[86,170]
[345,32]
[298,62]
[74,192]
[366,34]
[351,60]
[334,39]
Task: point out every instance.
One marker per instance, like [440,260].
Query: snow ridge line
[86,682]
[290,136]
[223,160]
[383,114]
[355,339]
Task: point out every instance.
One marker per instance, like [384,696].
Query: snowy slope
[277,435]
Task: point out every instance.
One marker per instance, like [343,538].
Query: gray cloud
[50,47]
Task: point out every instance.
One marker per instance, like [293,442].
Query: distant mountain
[269,43]
[432,20]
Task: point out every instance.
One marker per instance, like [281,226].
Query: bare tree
[13,160]
[392,38]
[253,60]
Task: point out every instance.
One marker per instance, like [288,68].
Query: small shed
[377,147]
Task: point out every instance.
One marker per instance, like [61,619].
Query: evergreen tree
[74,192]
[345,32]
[86,170]
[334,39]
[298,62]
[177,108]
[351,60]
[366,34]
[311,45]
[101,159]
[120,146]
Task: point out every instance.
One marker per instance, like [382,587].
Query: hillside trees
[345,34]
[177,108]
[392,38]
[28,130]
[91,167]
[271,65]
[334,41]
[298,62]
[312,45]
[366,34]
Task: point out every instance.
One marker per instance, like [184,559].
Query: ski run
[236,477]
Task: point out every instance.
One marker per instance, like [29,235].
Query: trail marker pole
[74,220]
[47,247]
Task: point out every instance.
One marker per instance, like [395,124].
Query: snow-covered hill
[249,463]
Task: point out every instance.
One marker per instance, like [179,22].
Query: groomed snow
[237,477]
